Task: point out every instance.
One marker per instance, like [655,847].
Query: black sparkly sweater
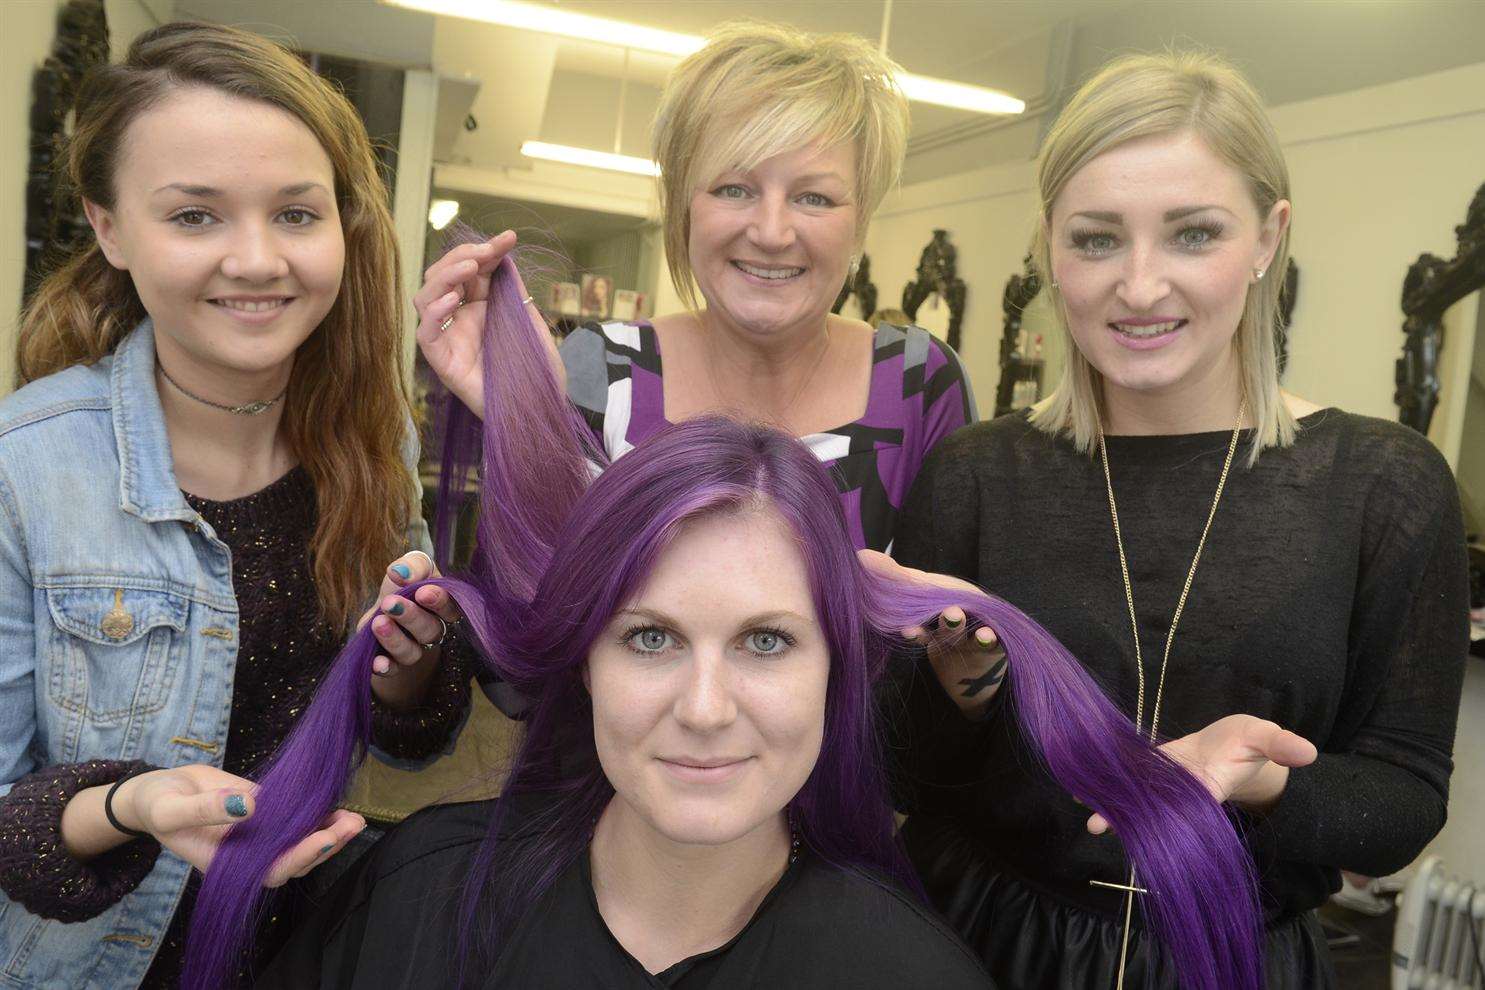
[1331,598]
[284,651]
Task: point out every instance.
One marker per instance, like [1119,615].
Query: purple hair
[559,554]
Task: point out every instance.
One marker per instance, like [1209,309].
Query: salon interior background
[1380,105]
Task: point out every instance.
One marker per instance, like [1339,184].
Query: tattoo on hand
[987,680]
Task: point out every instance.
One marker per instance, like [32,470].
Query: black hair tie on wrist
[132,833]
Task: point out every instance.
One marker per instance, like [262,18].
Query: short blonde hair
[758,90]
[1143,95]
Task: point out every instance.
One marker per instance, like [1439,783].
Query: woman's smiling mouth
[770,273]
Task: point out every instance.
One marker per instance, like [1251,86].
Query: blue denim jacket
[118,630]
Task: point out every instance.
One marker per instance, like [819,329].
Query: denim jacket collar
[147,485]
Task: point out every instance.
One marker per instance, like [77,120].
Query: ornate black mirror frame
[860,285]
[1431,286]
[937,273]
[55,224]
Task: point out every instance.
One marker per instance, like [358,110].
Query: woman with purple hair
[698,799]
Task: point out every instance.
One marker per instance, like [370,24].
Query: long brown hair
[347,410]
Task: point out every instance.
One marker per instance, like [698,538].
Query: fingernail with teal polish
[402,571]
[236,806]
[325,849]
[396,609]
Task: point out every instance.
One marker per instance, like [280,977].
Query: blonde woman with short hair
[1246,572]
[775,148]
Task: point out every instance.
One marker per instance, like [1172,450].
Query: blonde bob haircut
[758,90]
[1140,96]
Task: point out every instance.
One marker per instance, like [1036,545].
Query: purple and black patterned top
[919,395]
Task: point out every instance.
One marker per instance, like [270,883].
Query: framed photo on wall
[566,299]
[598,296]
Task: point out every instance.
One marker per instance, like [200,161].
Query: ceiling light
[441,212]
[553,20]
[961,96]
[589,157]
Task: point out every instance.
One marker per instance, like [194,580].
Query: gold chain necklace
[1170,637]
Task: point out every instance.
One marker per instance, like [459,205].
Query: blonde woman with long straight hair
[1246,573]
[198,487]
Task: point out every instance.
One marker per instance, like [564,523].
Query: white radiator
[1440,932]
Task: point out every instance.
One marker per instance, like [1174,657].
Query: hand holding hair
[451,316]
[1240,758]
[969,667]
[190,809]
[409,632]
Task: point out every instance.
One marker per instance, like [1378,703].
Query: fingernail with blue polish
[325,849]
[396,609]
[236,806]
[402,571]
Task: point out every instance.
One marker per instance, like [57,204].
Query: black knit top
[1331,598]
[284,651]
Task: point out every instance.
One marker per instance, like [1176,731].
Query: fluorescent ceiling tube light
[961,96]
[587,156]
[553,20]
[441,212]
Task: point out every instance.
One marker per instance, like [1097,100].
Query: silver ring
[448,322]
[442,637]
[526,301]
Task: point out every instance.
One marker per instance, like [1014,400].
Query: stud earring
[1258,274]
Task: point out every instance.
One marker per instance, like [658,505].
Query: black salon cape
[390,922]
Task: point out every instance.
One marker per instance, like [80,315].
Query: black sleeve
[939,527]
[38,873]
[1379,791]
[422,732]
[931,745]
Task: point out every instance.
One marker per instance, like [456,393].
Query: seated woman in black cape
[664,844]
[698,797]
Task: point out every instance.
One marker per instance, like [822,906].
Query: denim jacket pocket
[112,650]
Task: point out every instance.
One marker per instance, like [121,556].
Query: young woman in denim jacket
[197,487]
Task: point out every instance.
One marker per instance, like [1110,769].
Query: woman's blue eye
[1092,243]
[732,192]
[1195,237]
[815,199]
[767,642]
[649,640]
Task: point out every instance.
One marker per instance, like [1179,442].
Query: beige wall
[27,30]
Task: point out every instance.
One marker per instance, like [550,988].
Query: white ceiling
[1034,49]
